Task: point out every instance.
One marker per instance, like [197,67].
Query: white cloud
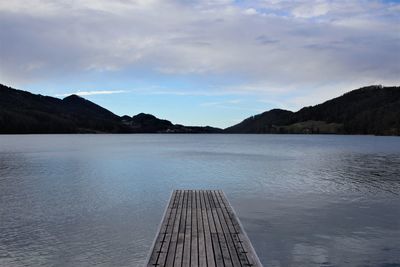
[250,11]
[222,103]
[310,10]
[295,44]
[88,93]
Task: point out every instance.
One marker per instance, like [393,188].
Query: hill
[22,112]
[368,110]
[147,123]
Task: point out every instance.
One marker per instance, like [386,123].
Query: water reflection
[370,171]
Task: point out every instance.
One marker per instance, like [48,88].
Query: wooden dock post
[200,228]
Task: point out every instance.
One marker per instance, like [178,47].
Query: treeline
[24,113]
[369,110]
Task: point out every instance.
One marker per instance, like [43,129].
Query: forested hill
[22,112]
[368,110]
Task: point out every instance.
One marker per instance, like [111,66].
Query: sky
[209,62]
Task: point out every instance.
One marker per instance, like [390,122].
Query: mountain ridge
[22,112]
[371,110]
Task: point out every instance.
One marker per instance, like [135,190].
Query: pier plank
[201,235]
[194,239]
[220,233]
[174,236]
[200,229]
[213,231]
[210,256]
[235,261]
[181,234]
[187,253]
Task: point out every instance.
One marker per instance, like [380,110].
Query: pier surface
[200,228]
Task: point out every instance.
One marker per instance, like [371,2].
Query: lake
[84,200]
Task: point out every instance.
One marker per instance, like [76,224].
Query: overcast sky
[211,62]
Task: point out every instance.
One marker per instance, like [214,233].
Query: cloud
[266,44]
[265,40]
[222,103]
[88,93]
[250,11]
[311,10]
[232,104]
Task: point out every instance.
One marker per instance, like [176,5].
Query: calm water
[84,200]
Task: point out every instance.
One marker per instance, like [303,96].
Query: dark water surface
[84,200]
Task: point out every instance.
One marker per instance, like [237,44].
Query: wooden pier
[200,228]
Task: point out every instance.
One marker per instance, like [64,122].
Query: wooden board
[200,228]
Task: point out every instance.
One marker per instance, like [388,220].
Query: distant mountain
[147,123]
[368,110]
[22,112]
[262,123]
